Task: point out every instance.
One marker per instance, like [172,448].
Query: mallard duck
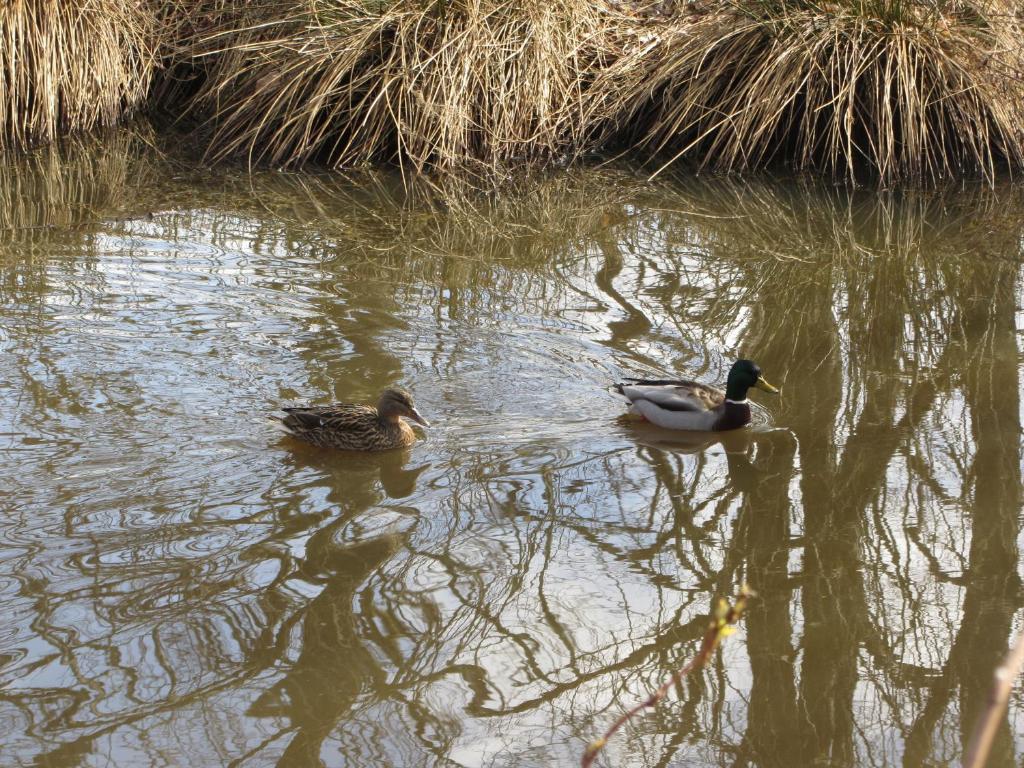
[698,407]
[352,427]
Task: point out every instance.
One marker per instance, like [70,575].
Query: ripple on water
[183,585]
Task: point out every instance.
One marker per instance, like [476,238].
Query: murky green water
[181,586]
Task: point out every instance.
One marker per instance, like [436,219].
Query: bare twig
[988,722]
[721,625]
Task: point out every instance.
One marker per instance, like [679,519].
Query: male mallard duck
[357,427]
[693,406]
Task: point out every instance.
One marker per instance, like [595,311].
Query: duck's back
[673,394]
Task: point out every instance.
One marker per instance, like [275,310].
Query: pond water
[182,585]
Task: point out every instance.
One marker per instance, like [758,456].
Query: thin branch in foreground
[988,722]
[722,625]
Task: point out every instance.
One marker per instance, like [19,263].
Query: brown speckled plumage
[350,427]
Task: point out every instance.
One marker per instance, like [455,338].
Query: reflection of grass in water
[371,218]
[871,258]
[764,237]
[718,246]
[762,223]
[53,199]
[73,183]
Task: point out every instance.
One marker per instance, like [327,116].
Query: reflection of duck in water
[679,441]
[676,404]
[354,481]
[357,427]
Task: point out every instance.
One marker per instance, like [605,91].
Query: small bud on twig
[722,624]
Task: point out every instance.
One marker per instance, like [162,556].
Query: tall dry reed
[70,65]
[477,85]
[892,88]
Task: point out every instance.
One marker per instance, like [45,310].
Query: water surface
[182,586]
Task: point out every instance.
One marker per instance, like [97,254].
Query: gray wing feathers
[668,397]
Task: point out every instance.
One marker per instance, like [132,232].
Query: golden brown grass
[477,85]
[67,66]
[896,88]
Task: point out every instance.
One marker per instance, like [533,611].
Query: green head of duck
[743,375]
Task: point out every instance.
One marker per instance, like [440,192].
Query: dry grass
[894,88]
[70,66]
[467,85]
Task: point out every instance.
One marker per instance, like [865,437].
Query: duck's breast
[733,416]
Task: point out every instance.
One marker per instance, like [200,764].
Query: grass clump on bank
[68,66]
[893,88]
[890,89]
[449,85]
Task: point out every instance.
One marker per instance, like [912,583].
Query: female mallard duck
[351,427]
[693,406]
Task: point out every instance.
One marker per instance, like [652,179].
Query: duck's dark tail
[301,418]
